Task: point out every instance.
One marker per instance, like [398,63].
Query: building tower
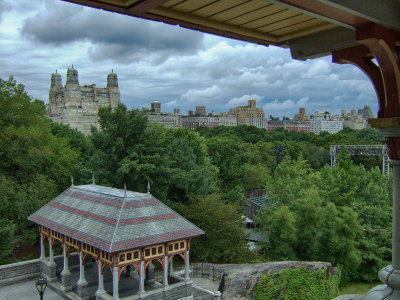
[200,111]
[56,95]
[156,107]
[56,80]
[72,76]
[112,86]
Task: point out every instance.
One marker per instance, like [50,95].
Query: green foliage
[224,239]
[303,224]
[7,239]
[129,150]
[35,165]
[298,284]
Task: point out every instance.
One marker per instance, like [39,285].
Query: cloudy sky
[159,62]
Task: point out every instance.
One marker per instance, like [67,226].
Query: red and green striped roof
[113,219]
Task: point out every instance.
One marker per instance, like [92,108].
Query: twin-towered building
[78,105]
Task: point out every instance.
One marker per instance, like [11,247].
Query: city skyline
[158,62]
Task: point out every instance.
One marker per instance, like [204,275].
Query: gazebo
[118,228]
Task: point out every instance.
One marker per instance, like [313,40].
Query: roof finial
[148,187]
[92,178]
[72,181]
[125,190]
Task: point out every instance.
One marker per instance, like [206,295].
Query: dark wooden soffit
[311,28]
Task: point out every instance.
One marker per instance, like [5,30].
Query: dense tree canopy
[315,212]
[35,165]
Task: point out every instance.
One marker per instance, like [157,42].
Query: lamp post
[41,285]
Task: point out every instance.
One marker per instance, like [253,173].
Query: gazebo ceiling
[311,28]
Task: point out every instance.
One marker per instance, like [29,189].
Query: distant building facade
[169,120]
[249,115]
[357,120]
[290,125]
[200,119]
[77,105]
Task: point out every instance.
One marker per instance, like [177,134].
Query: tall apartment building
[249,115]
[301,116]
[77,105]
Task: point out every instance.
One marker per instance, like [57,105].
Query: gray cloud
[114,36]
[181,68]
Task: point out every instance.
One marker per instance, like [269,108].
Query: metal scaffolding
[375,150]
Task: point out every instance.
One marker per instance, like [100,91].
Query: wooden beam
[322,43]
[144,6]
[309,7]
[383,12]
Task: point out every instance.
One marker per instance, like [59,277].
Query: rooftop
[113,219]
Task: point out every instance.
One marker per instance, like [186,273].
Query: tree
[35,165]
[130,150]
[224,240]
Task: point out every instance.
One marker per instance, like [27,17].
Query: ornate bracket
[382,44]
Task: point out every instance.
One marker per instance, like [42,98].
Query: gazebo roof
[113,219]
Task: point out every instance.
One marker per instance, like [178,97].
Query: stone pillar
[100,290]
[165,277]
[187,276]
[82,283]
[142,292]
[65,274]
[42,252]
[115,283]
[51,265]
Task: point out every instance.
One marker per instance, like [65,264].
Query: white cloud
[243,100]
[216,72]
[202,95]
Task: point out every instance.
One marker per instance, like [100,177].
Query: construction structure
[375,150]
[78,106]
[119,229]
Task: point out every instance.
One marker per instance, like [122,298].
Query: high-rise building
[156,107]
[200,111]
[301,116]
[249,115]
[77,105]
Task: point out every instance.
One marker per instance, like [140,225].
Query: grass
[359,288]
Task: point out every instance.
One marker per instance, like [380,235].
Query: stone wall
[20,271]
[29,269]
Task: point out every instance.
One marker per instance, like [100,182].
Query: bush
[297,284]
